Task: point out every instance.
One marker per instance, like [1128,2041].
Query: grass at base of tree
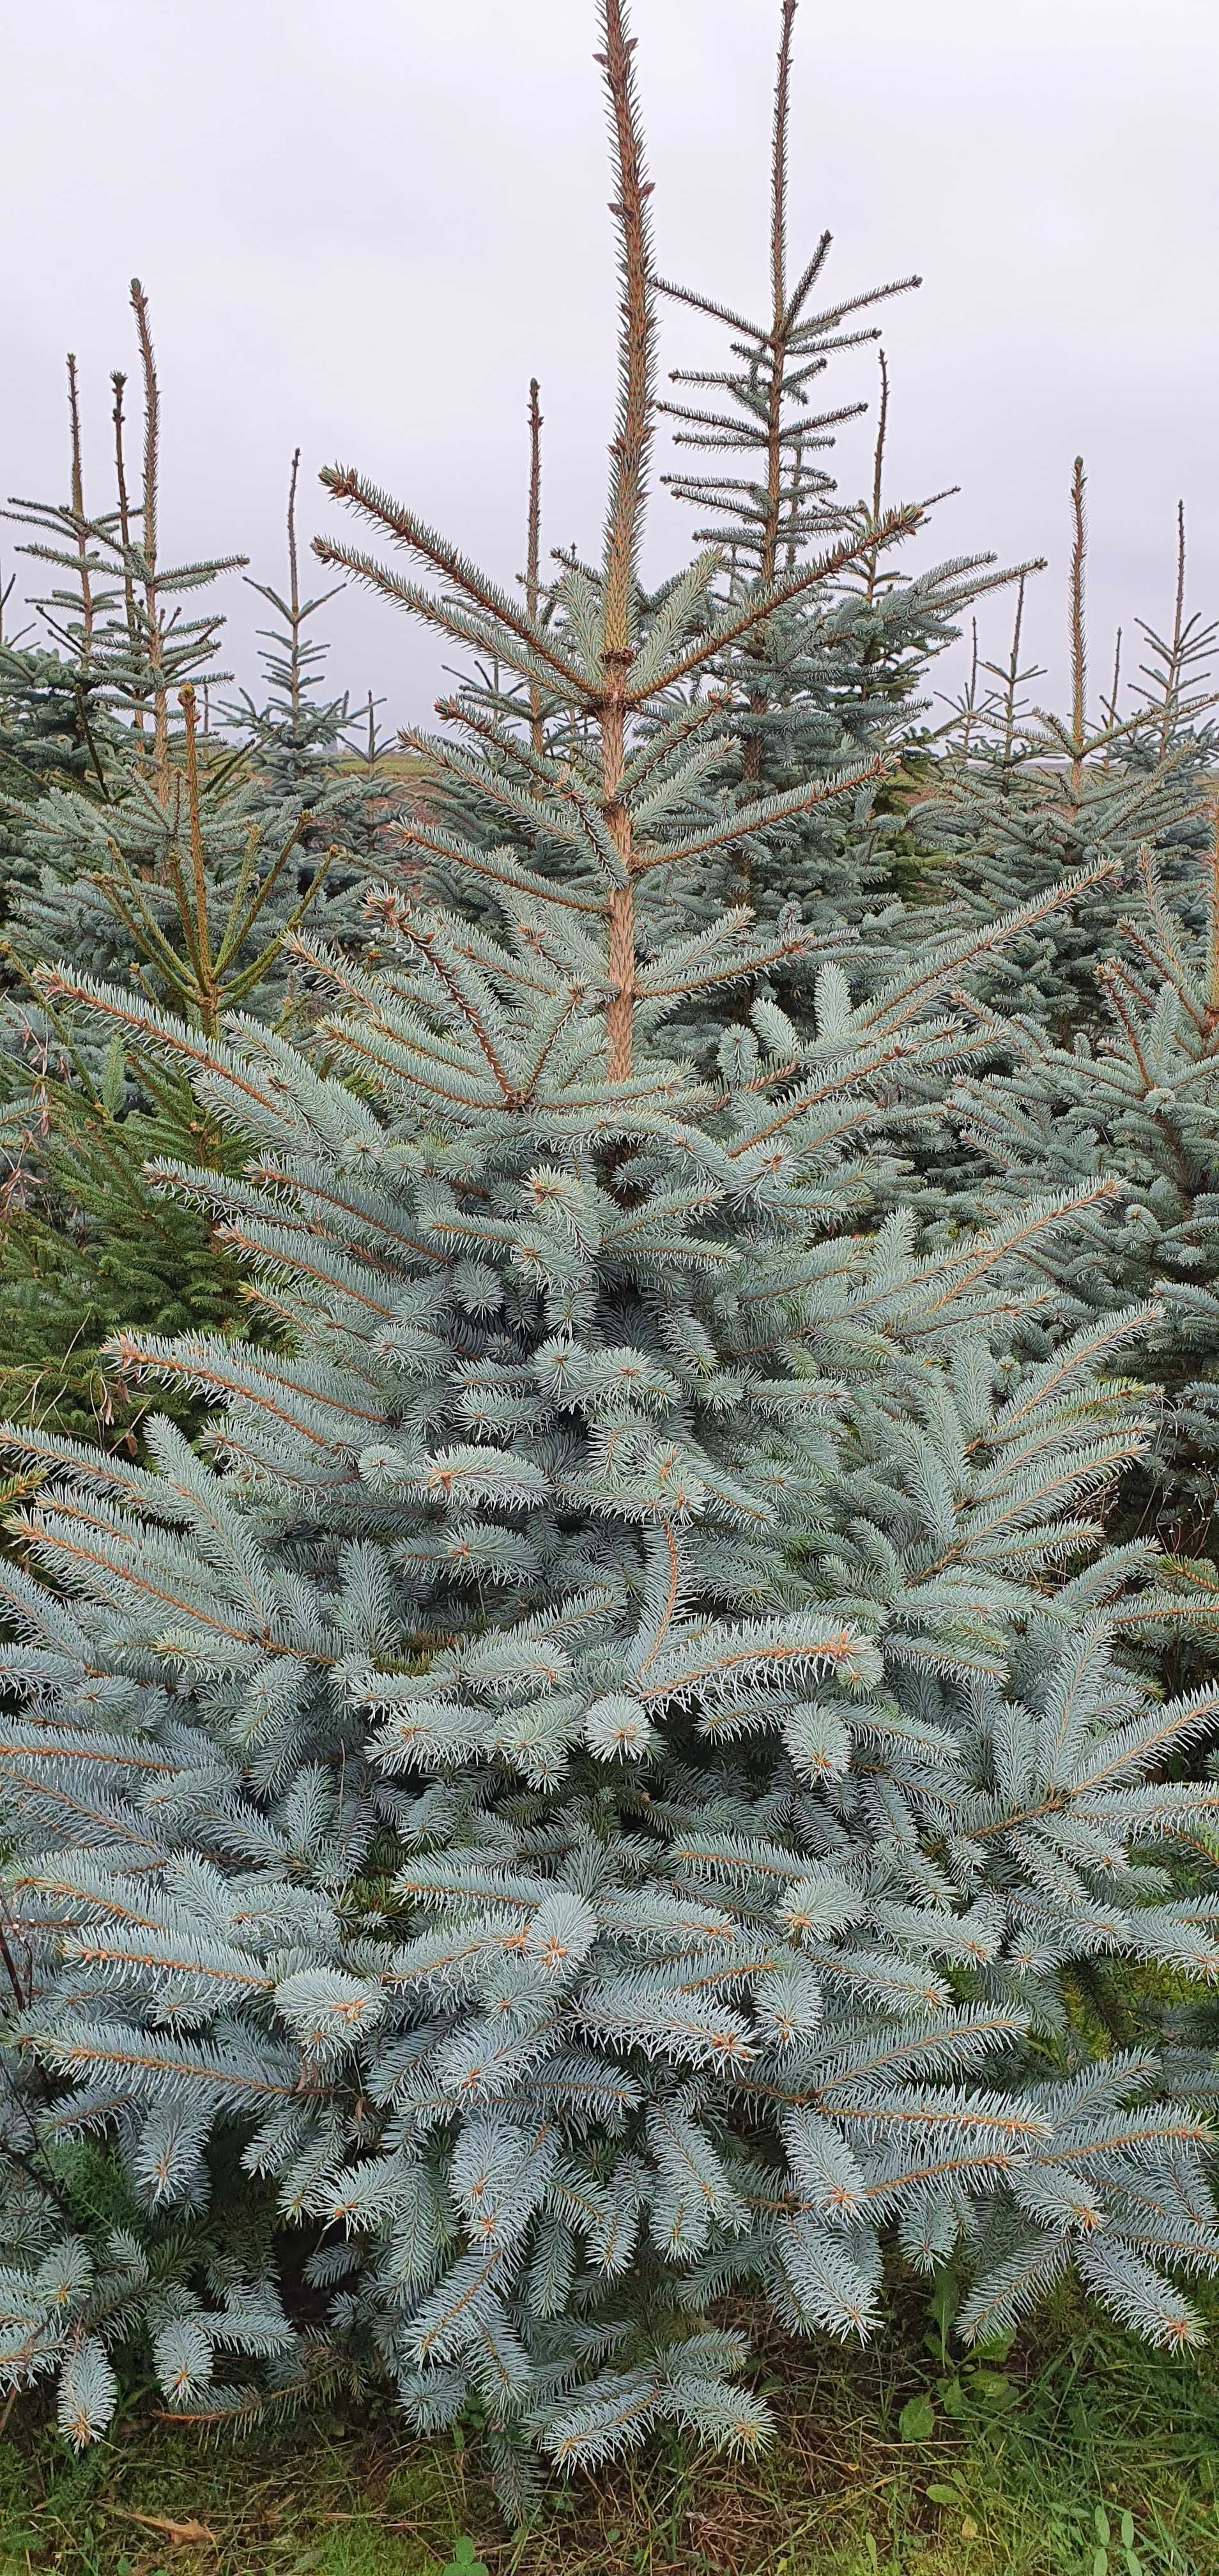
[1079,2418]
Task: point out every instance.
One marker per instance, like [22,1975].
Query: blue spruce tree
[837,672]
[1135,1098]
[146,848]
[591,1784]
[1026,795]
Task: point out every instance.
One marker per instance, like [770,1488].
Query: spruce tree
[298,749]
[143,847]
[839,672]
[1025,794]
[1135,1099]
[175,870]
[50,718]
[1107,1068]
[593,1783]
[295,733]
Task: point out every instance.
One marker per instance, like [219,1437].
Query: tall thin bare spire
[533,550]
[78,514]
[148,539]
[628,485]
[1078,632]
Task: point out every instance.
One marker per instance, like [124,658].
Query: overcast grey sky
[363,229]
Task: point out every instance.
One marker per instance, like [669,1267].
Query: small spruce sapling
[140,852]
[836,672]
[1025,794]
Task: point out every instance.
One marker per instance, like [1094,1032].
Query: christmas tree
[588,1787]
[840,671]
[143,847]
[1026,794]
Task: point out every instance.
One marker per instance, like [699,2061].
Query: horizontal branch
[741,621]
[765,811]
[434,550]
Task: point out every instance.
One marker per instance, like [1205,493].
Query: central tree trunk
[620,912]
